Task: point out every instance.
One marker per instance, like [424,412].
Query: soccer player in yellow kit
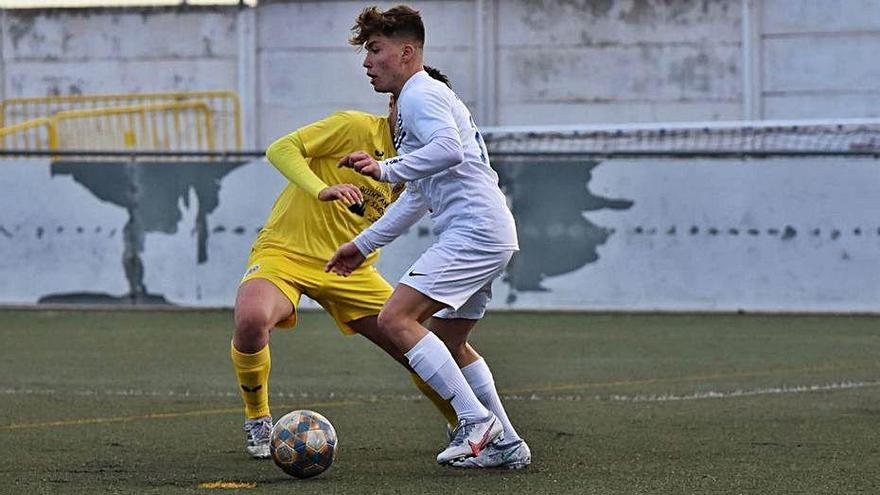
[308,221]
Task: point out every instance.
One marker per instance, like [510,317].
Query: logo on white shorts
[416,274]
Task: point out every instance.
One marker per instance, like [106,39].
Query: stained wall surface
[517,62]
[756,235]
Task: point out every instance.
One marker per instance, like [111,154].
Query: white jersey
[443,160]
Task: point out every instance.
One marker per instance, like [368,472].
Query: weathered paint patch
[151,193]
[554,235]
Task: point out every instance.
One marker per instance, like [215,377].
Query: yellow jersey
[302,224]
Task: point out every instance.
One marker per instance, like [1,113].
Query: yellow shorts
[346,298]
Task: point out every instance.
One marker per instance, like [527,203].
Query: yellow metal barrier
[37,134]
[186,126]
[224,106]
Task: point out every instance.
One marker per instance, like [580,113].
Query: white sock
[480,379]
[431,360]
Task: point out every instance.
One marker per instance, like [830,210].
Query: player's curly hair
[436,74]
[397,22]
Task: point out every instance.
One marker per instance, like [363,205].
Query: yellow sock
[252,371]
[442,405]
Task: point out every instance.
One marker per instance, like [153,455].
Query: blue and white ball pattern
[303,443]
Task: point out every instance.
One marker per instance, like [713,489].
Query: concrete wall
[63,52]
[618,61]
[307,69]
[756,235]
[781,235]
[513,61]
[820,58]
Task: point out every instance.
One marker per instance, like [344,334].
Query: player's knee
[393,322]
[252,324]
[388,321]
[456,348]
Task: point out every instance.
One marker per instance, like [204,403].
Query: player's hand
[350,159]
[347,193]
[362,163]
[345,260]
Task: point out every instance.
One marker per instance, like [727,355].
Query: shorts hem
[346,329]
[291,320]
[427,293]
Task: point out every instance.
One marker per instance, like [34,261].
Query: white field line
[534,396]
[366,399]
[712,394]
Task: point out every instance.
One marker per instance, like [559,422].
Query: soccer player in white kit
[443,161]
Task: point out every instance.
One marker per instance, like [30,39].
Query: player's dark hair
[436,74]
[400,22]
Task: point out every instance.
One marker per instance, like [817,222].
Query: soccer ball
[303,443]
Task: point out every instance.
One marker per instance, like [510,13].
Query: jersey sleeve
[288,155]
[333,136]
[401,215]
[433,124]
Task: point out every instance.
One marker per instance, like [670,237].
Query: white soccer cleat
[469,439]
[258,432]
[511,455]
[450,432]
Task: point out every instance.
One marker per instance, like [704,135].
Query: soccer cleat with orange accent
[469,439]
[510,455]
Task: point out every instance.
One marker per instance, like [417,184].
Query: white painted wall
[756,235]
[55,236]
[761,235]
[521,62]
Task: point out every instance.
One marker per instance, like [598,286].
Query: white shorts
[458,276]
